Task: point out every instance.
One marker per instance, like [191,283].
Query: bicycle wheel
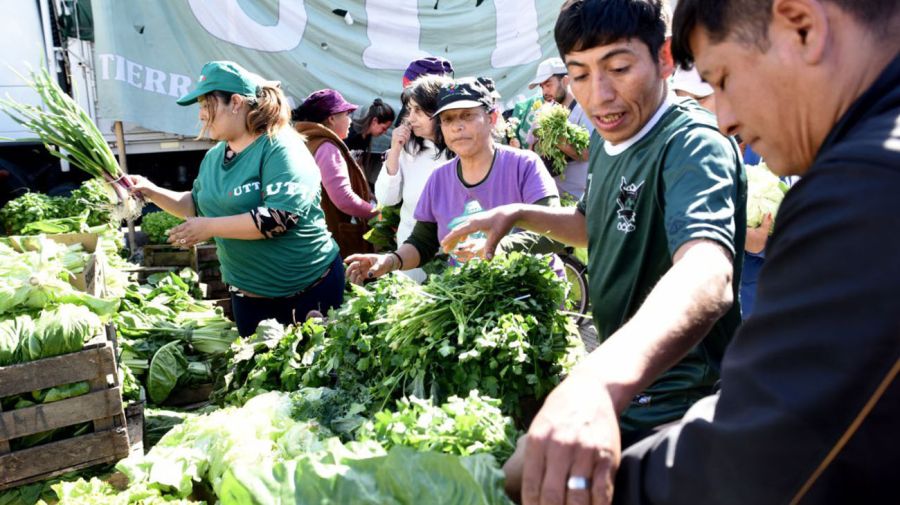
[578,291]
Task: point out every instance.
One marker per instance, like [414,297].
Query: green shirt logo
[627,201]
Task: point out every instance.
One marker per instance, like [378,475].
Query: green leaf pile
[157,225]
[383,228]
[462,426]
[494,326]
[553,127]
[765,191]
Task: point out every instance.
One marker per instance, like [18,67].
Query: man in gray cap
[553,78]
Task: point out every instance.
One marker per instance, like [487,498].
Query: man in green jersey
[664,221]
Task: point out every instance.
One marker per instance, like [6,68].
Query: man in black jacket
[809,407]
[809,410]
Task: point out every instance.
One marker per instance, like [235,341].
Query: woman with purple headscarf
[324,119]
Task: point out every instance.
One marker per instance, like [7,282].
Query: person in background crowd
[687,83]
[324,119]
[417,149]
[553,78]
[663,219]
[257,195]
[432,65]
[484,175]
[373,123]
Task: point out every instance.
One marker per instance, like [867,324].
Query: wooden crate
[205,254]
[167,256]
[214,290]
[141,274]
[102,406]
[134,419]
[209,274]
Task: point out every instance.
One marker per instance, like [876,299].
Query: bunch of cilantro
[494,326]
[553,128]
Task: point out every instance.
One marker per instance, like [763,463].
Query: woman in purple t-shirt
[484,175]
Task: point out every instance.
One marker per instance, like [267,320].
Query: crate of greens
[158,252]
[60,396]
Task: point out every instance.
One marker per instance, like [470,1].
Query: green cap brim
[191,97]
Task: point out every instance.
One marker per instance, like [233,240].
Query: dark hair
[424,91]
[379,110]
[583,24]
[269,111]
[309,112]
[748,21]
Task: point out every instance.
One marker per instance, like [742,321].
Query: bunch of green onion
[69,134]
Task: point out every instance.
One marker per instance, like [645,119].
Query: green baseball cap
[225,76]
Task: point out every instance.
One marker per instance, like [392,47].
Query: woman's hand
[400,136]
[142,186]
[190,233]
[361,267]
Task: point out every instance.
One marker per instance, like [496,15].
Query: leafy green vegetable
[336,409]
[69,134]
[167,366]
[157,225]
[553,128]
[89,205]
[64,392]
[203,448]
[353,475]
[462,426]
[28,208]
[11,331]
[492,326]
[73,224]
[163,311]
[765,191]
[94,197]
[58,331]
[66,328]
[269,360]
[383,228]
[38,277]
[98,492]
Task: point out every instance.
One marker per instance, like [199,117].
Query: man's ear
[805,25]
[565,81]
[666,62]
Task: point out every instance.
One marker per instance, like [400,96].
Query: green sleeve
[424,238]
[704,191]
[532,242]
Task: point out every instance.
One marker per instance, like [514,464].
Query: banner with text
[147,54]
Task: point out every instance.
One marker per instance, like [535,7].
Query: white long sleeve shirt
[407,185]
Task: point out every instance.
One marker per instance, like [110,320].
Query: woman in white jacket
[417,148]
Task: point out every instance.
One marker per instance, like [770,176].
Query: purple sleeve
[336,181]
[536,182]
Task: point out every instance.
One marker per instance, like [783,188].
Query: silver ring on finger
[577,483]
[182,241]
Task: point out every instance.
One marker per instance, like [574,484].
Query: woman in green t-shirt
[257,194]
